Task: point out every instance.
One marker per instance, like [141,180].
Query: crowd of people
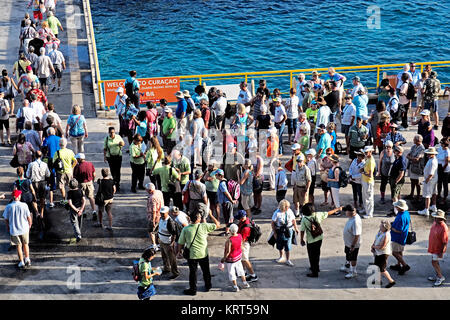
[209,160]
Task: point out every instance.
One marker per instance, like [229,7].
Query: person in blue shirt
[360,101]
[399,233]
[200,93]
[332,132]
[324,142]
[180,113]
[51,145]
[132,88]
[224,199]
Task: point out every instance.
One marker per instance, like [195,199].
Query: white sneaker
[289,263]
[21,265]
[433,208]
[423,212]
[280,260]
[366,216]
[350,275]
[27,262]
[235,288]
[439,281]
[432,278]
[245,285]
[344,268]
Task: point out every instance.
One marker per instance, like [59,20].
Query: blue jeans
[292,125]
[280,138]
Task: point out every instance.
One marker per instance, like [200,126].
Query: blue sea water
[168,38]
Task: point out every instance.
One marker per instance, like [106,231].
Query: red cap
[29,68]
[16,193]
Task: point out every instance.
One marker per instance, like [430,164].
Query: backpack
[343,178]
[129,89]
[58,165]
[136,274]
[255,232]
[228,111]
[212,119]
[316,229]
[189,108]
[410,94]
[234,189]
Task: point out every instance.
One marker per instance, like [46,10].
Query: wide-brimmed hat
[218,171]
[168,110]
[359,152]
[80,156]
[356,78]
[431,150]
[311,152]
[314,73]
[334,157]
[425,112]
[186,94]
[179,94]
[164,209]
[439,214]
[401,204]
[300,157]
[367,149]
[384,115]
[295,146]
[398,148]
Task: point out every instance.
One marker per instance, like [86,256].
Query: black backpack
[129,89]
[136,274]
[58,165]
[410,94]
[343,178]
[212,119]
[255,232]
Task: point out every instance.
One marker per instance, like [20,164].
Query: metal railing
[377,69]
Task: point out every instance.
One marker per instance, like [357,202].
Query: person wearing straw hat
[437,245]
[383,128]
[430,182]
[301,181]
[395,136]
[368,181]
[399,233]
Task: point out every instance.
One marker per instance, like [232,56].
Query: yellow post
[245,78]
[378,76]
[290,80]
[99,87]
[200,80]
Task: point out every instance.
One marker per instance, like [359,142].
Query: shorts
[300,195]
[435,257]
[345,129]
[351,256]
[19,240]
[58,72]
[43,81]
[429,189]
[312,186]
[151,228]
[212,196]
[88,189]
[381,261]
[397,247]
[107,204]
[245,201]
[432,106]
[234,268]
[4,124]
[246,251]
[396,188]
[37,15]
[283,242]
[40,189]
[63,179]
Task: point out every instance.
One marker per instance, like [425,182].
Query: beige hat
[179,94]
[186,94]
[401,204]
[367,149]
[315,73]
[398,148]
[431,150]
[439,214]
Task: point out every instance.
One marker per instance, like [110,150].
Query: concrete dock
[104,259]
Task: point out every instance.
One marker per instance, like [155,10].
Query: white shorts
[245,201]
[435,257]
[246,251]
[234,268]
[429,189]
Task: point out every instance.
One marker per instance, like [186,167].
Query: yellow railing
[94,49]
[379,68]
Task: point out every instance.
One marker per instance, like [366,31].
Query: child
[146,289]
[312,165]
[281,182]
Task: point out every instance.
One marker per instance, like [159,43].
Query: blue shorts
[284,243]
[432,106]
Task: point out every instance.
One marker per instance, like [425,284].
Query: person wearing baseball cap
[18,221]
[437,245]
[169,130]
[292,163]
[301,182]
[120,102]
[430,175]
[425,129]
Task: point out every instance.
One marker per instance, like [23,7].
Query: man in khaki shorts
[18,222]
[301,180]
[68,160]
[84,173]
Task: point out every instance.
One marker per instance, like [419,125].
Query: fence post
[290,80]
[100,100]
[200,80]
[378,76]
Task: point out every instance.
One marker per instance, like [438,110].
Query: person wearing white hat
[437,245]
[84,173]
[395,136]
[399,233]
[301,182]
[167,232]
[190,107]
[314,168]
[425,129]
[368,181]
[292,163]
[430,182]
[169,130]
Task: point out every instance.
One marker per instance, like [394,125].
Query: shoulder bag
[15,160]
[99,198]
[316,228]
[186,250]
[186,196]
[411,237]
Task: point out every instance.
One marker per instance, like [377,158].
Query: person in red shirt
[38,92]
[84,173]
[244,231]
[437,245]
[206,113]
[152,115]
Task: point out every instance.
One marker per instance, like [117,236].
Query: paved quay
[104,259]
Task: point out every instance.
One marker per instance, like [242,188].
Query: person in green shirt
[167,174]
[54,23]
[146,288]
[112,153]
[69,162]
[212,184]
[304,139]
[137,163]
[183,166]
[168,133]
[153,160]
[313,244]
[195,238]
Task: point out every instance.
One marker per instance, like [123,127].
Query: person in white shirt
[27,112]
[415,74]
[323,114]
[219,107]
[292,109]
[59,64]
[279,120]
[419,89]
[4,118]
[430,182]
[244,96]
[44,70]
[354,173]
[281,182]
[392,106]
[38,173]
[301,88]
[348,115]
[352,240]
[120,102]
[39,111]
[302,122]
[399,76]
[182,219]
[443,158]
[357,86]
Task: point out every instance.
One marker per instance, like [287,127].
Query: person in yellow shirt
[368,181]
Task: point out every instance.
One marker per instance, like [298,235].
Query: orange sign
[150,89]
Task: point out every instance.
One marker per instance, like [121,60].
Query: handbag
[411,237]
[186,250]
[15,160]
[186,196]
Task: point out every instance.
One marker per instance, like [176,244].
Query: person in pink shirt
[155,202]
[437,245]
